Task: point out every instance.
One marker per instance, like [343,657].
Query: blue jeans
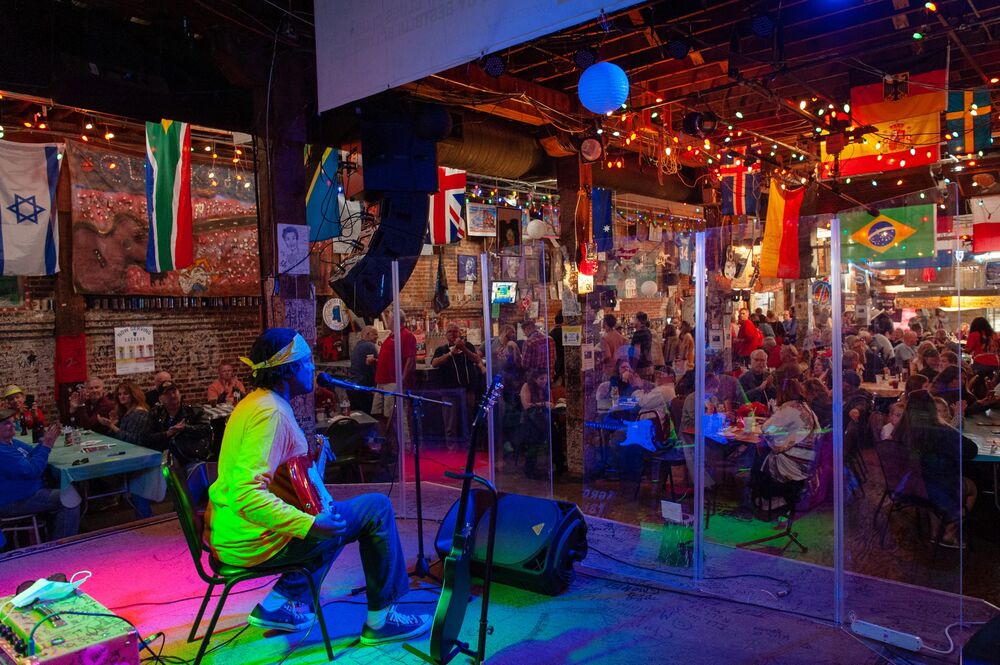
[63,521]
[370,522]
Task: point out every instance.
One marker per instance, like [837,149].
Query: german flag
[780,249]
[893,234]
[917,88]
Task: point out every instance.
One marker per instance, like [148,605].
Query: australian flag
[740,190]
[604,237]
[446,219]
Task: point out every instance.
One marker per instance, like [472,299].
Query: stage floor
[613,613]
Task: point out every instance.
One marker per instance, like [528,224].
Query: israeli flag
[29,231]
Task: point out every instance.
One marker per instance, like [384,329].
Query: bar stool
[22,524]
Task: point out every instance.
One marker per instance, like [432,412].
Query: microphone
[328,381]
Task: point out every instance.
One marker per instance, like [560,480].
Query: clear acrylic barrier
[765,438]
[529,419]
[907,468]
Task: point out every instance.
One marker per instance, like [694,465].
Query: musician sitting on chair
[250,525]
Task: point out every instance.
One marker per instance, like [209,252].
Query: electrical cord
[186,598]
[780,594]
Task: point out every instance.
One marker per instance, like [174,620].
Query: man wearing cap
[84,409]
[183,428]
[26,418]
[250,522]
[22,467]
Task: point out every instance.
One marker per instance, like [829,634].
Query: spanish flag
[892,235]
[779,252]
[895,144]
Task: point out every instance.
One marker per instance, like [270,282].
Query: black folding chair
[185,492]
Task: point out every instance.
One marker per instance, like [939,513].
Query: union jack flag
[740,190]
[446,219]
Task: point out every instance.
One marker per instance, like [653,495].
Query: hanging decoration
[603,87]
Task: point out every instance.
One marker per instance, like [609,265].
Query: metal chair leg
[215,620]
[201,613]
[318,609]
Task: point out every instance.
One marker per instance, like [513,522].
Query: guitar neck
[482,413]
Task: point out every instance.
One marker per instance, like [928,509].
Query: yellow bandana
[297,349]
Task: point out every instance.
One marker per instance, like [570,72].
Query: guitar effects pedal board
[65,639]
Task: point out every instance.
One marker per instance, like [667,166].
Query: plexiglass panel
[529,419]
[909,471]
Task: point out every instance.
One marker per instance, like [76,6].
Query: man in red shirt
[385,375]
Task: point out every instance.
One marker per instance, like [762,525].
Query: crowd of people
[781,386]
[158,419]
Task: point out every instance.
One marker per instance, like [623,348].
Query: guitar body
[637,432]
[299,481]
[456,579]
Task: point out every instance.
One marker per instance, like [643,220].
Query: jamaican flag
[894,234]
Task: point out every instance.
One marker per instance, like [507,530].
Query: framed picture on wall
[480,219]
[10,292]
[509,230]
[468,269]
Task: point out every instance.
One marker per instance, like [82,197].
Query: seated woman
[941,450]
[128,423]
[791,435]
[535,419]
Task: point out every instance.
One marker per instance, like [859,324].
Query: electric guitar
[456,576]
[299,481]
[637,432]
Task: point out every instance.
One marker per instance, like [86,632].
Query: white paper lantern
[536,229]
[648,288]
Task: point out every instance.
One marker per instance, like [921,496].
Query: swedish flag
[895,233]
[969,121]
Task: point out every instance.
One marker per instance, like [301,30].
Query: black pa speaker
[537,541]
[983,648]
[367,286]
[396,159]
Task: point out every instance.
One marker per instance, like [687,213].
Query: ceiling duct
[485,146]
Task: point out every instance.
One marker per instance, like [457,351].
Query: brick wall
[189,343]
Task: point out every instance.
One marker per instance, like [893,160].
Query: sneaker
[290,617]
[396,627]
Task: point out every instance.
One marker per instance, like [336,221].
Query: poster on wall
[134,350]
[480,220]
[110,227]
[467,268]
[509,230]
[10,292]
[293,249]
[993,273]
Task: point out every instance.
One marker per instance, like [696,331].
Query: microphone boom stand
[421,568]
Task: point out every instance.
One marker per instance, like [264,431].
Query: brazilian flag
[892,235]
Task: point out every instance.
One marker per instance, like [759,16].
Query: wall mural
[110,228]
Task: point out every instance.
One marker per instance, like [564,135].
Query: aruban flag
[604,236]
[969,121]
[29,230]
[779,251]
[893,234]
[904,94]
[740,189]
[893,145]
[985,223]
[445,223]
[168,196]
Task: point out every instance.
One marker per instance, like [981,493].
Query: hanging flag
[895,233]
[446,219]
[985,223]
[779,252]
[29,230]
[893,145]
[441,301]
[740,190]
[168,196]
[968,120]
[915,89]
[323,198]
[604,234]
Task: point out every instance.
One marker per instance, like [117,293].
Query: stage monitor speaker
[367,287]
[537,540]
[396,159]
[983,648]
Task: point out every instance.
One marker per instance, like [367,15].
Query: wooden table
[984,430]
[114,457]
[882,390]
